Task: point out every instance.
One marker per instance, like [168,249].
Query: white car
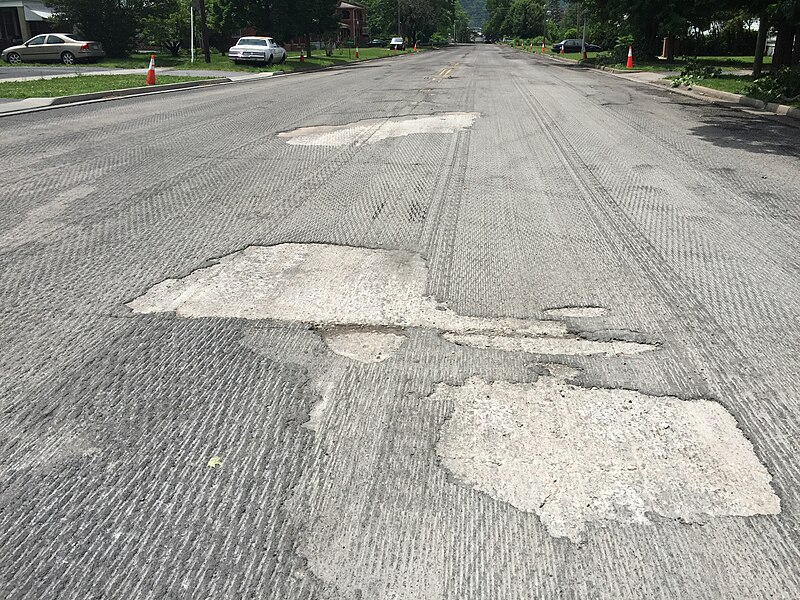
[257,49]
[397,43]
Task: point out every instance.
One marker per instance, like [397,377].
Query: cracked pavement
[394,443]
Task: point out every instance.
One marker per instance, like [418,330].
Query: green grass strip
[82,84]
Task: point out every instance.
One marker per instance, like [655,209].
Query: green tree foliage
[516,18]
[118,24]
[418,19]
[476,9]
[111,22]
[648,21]
[169,27]
[525,18]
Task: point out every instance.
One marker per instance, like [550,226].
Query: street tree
[114,23]
[168,27]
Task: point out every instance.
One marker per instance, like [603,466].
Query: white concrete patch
[332,286]
[364,346]
[577,312]
[575,456]
[375,130]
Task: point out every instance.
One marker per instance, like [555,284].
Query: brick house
[351,16]
[352,22]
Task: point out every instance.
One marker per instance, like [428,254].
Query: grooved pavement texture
[573,188]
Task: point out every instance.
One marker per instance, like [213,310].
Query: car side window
[54,39]
[37,41]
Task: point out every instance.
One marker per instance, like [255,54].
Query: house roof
[350,5]
[34,9]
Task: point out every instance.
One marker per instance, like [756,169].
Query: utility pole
[399,33]
[204,30]
[191,27]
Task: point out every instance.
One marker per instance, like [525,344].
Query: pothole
[574,346]
[339,286]
[372,131]
[575,456]
[367,346]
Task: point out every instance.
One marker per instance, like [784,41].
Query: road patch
[332,286]
[577,456]
[367,346]
[375,130]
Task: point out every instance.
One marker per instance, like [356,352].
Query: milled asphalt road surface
[322,312]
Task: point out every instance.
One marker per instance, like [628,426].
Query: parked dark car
[376,43]
[573,45]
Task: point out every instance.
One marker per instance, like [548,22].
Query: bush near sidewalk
[783,87]
[694,73]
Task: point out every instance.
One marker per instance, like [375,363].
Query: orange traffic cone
[583,53]
[630,58]
[151,71]
[356,52]
[562,48]
[542,47]
[415,46]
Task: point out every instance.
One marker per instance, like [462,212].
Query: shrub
[694,72]
[783,86]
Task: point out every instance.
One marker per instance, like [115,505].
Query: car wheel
[283,59]
[68,58]
[14,58]
[269,61]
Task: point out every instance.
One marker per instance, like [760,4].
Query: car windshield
[252,42]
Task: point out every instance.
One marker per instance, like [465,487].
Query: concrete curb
[28,105]
[612,69]
[708,94]
[136,91]
[771,107]
[699,92]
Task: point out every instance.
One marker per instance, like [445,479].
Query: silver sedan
[54,46]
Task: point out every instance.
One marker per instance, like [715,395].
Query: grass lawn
[727,83]
[83,84]
[223,63]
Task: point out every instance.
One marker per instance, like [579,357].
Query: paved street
[468,324]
